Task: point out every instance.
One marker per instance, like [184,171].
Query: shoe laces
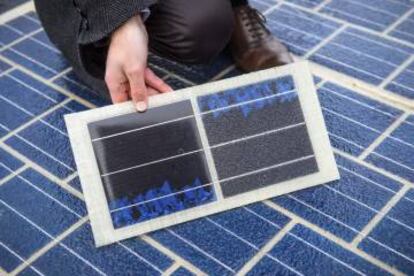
[255,24]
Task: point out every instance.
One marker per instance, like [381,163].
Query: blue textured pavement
[362,57]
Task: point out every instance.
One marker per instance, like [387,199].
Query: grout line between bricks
[383,136]
[341,21]
[13,174]
[20,39]
[396,72]
[34,120]
[60,89]
[171,269]
[48,246]
[267,247]
[172,255]
[334,239]
[321,5]
[325,41]
[366,89]
[397,102]
[403,17]
[374,168]
[16,12]
[71,177]
[379,216]
[42,171]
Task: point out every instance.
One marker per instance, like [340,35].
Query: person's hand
[127,75]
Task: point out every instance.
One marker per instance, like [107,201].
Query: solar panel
[199,151]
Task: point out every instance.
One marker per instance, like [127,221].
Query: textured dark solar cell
[205,150]
[151,165]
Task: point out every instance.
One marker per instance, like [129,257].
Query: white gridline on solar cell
[268,132]
[220,180]
[201,113]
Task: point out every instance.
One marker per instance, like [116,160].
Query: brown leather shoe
[252,45]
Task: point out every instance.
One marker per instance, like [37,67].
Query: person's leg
[190,31]
[252,45]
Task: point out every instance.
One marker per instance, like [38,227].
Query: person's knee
[196,33]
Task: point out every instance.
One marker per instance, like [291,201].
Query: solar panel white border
[90,177]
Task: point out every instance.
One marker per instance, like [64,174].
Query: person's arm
[127,75]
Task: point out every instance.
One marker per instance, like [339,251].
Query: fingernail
[141,106]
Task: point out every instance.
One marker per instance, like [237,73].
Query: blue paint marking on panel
[391,243]
[36,57]
[405,30]
[395,153]
[111,260]
[267,91]
[19,236]
[41,201]
[353,121]
[71,83]
[159,202]
[299,30]
[362,55]
[403,84]
[311,254]
[54,153]
[373,14]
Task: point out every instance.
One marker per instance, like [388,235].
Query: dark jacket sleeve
[75,26]
[101,17]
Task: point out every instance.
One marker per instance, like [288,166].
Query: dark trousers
[190,31]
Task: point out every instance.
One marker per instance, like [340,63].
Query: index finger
[138,89]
